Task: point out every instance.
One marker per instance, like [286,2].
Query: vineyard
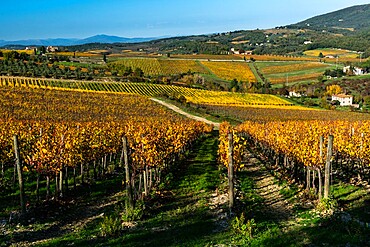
[152,66]
[277,69]
[74,137]
[281,113]
[60,135]
[267,58]
[294,142]
[256,138]
[207,57]
[237,57]
[195,96]
[206,72]
[70,134]
[231,70]
[320,157]
[283,72]
[298,150]
[300,139]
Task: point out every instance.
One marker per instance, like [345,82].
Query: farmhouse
[355,70]
[234,51]
[242,52]
[52,49]
[345,100]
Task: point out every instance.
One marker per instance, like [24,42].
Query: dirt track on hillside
[178,110]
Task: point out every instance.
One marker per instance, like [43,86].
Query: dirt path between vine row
[274,205]
[189,211]
[178,110]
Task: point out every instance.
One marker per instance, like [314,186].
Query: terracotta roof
[342,96]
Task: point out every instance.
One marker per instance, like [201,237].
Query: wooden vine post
[231,170]
[318,169]
[127,173]
[61,182]
[308,178]
[328,166]
[61,174]
[20,177]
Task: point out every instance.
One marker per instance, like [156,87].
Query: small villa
[241,52]
[52,49]
[345,100]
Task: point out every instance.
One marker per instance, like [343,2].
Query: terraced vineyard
[195,96]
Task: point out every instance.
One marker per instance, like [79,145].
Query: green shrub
[243,227]
[327,205]
[133,214]
[110,226]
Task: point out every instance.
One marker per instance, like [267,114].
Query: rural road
[178,110]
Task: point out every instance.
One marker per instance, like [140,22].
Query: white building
[294,94]
[355,70]
[242,52]
[345,100]
[52,49]
[234,51]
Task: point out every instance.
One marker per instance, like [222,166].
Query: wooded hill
[356,18]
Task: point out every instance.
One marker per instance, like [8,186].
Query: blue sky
[30,19]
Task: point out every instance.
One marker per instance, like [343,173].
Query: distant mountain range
[104,39]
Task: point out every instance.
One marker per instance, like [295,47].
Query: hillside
[352,19]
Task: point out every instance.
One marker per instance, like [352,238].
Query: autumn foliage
[60,129]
